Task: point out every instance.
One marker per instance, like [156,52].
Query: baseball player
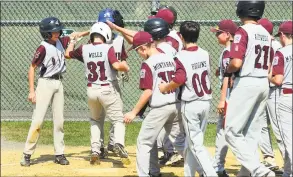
[281,76]
[101,66]
[249,55]
[169,14]
[193,75]
[159,33]
[225,32]
[265,143]
[115,17]
[49,58]
[157,66]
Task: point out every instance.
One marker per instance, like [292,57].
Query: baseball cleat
[61,159]
[167,156]
[270,163]
[104,153]
[222,174]
[95,159]
[159,175]
[122,153]
[175,160]
[110,147]
[270,174]
[25,160]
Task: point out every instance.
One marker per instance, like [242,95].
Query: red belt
[287,91]
[90,84]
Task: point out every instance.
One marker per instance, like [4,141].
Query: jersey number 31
[92,67]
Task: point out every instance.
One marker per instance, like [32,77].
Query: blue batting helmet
[106,14]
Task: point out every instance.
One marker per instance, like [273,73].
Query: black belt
[56,77]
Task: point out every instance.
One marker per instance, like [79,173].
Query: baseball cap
[141,38]
[225,26]
[167,15]
[267,24]
[285,27]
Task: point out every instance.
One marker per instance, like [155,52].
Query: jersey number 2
[92,67]
[201,81]
[258,51]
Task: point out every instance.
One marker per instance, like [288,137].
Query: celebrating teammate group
[256,88]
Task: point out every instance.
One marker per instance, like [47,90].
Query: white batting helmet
[102,29]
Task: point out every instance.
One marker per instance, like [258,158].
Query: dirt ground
[43,165]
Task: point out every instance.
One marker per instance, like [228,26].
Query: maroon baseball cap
[167,15]
[141,38]
[267,24]
[225,26]
[286,28]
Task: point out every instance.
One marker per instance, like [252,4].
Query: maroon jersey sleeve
[77,53]
[111,56]
[124,55]
[39,55]
[173,42]
[278,64]
[146,77]
[180,74]
[65,41]
[239,45]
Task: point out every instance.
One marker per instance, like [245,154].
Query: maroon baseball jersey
[154,70]
[282,65]
[50,57]
[252,45]
[196,64]
[98,59]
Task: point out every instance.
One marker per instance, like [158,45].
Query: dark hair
[96,35]
[190,31]
[289,36]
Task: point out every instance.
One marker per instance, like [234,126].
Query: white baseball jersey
[197,67]
[54,61]
[117,44]
[167,49]
[174,35]
[98,69]
[161,67]
[224,61]
[282,64]
[275,46]
[256,59]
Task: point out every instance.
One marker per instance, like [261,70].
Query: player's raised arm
[127,33]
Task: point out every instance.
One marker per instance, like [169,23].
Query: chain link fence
[20,37]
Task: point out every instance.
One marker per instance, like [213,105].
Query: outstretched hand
[111,25]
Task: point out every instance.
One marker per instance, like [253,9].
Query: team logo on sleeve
[37,54]
[237,38]
[142,73]
[275,61]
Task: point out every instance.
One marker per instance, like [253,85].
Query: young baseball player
[159,29]
[155,68]
[115,17]
[265,143]
[281,76]
[225,32]
[193,77]
[101,66]
[49,58]
[249,55]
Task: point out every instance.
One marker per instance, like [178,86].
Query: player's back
[286,53]
[167,49]
[163,68]
[197,66]
[174,34]
[117,44]
[97,65]
[256,59]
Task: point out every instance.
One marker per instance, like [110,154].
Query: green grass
[78,133]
